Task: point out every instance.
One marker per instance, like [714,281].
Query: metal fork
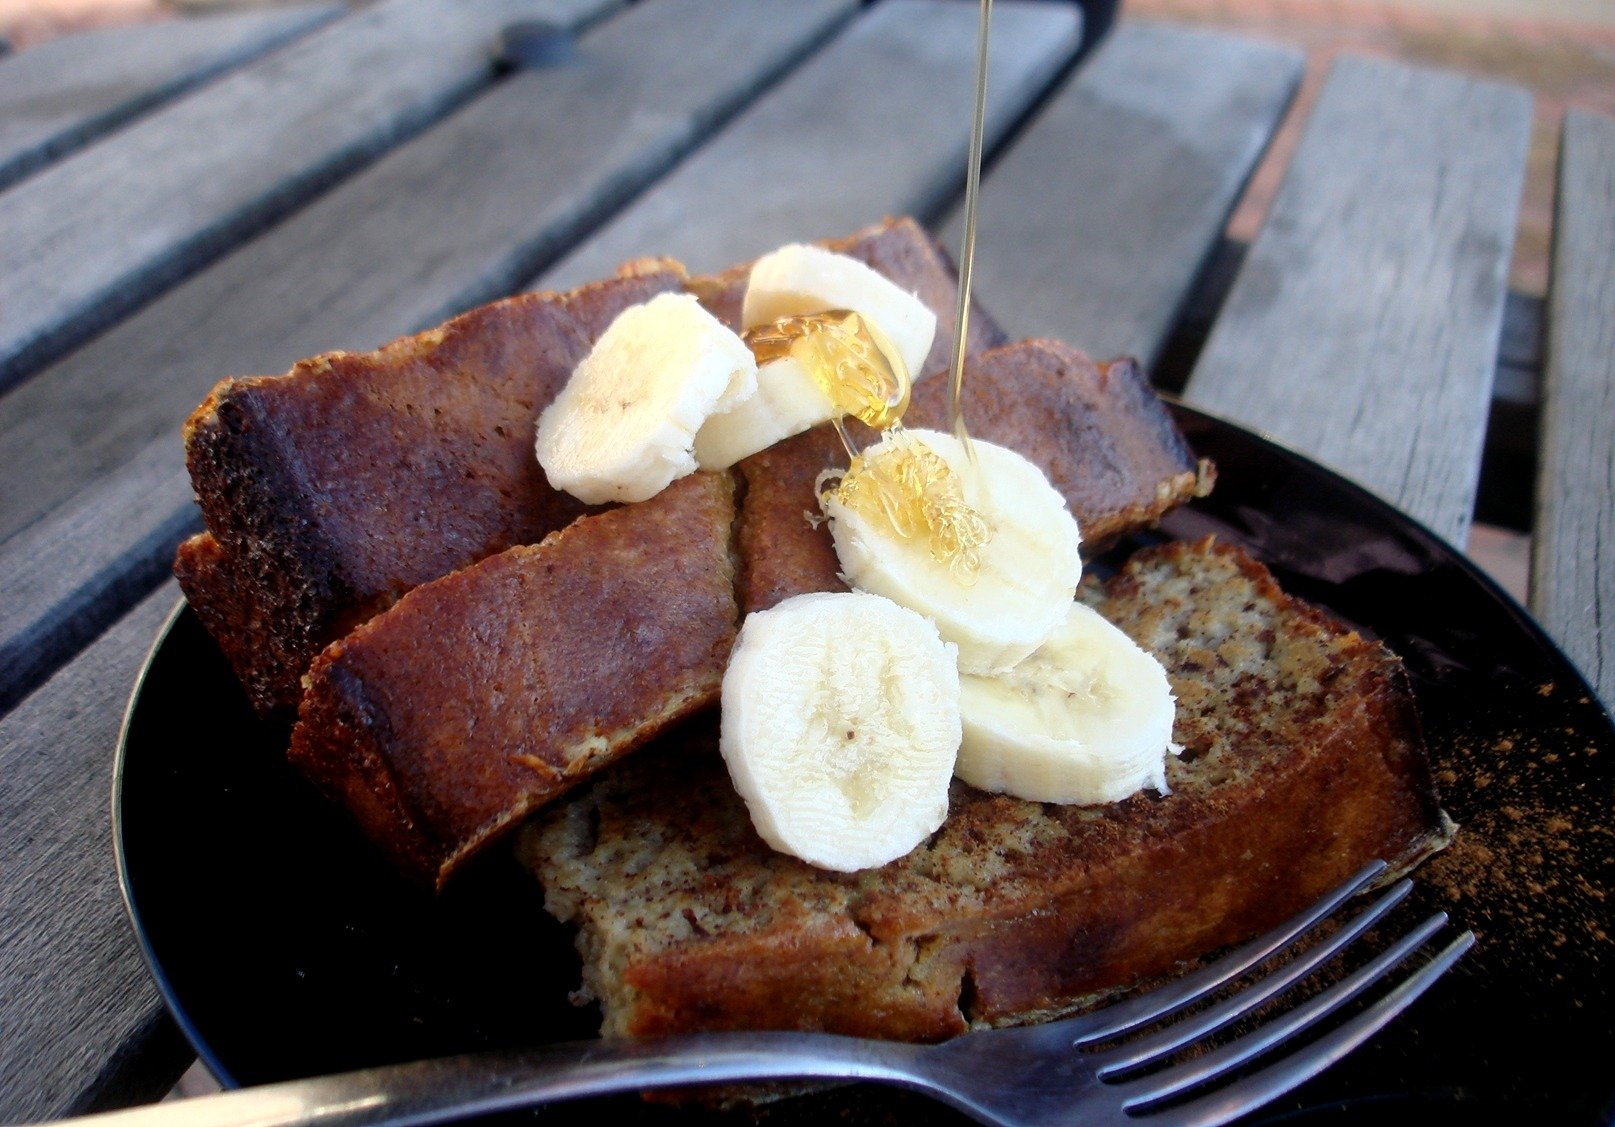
[1031,1075]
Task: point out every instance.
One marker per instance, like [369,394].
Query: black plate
[284,947]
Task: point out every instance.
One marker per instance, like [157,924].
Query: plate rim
[165,987]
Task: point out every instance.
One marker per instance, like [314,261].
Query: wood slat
[1363,327]
[97,234]
[1094,226]
[79,1003]
[877,124]
[458,215]
[64,579]
[61,95]
[96,495]
[1573,549]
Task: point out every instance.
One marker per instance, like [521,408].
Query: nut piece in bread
[1303,760]
[478,697]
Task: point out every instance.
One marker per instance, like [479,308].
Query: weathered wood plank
[877,124]
[1573,549]
[1363,327]
[94,495]
[91,237]
[1094,225]
[63,94]
[63,579]
[77,995]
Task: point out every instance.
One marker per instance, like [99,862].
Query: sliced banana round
[791,282]
[624,426]
[1085,719]
[996,613]
[799,278]
[787,401]
[840,726]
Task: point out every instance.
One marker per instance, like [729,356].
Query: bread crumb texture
[1302,761]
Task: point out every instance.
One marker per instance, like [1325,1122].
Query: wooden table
[253,189]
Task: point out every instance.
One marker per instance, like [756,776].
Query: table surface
[224,195]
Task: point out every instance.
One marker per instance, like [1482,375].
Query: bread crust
[1303,761]
[482,695]
[333,490]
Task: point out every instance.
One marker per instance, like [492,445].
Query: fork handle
[431,1091]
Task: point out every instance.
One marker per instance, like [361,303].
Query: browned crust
[479,696]
[1098,433]
[331,491]
[334,489]
[784,548]
[232,609]
[1304,761]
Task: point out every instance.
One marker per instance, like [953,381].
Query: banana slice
[624,426]
[840,725]
[798,279]
[790,282]
[998,612]
[1086,719]
[787,402]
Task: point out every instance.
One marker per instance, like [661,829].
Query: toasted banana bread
[479,696]
[1097,432]
[329,492]
[1301,761]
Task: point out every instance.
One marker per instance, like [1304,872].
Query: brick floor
[29,22]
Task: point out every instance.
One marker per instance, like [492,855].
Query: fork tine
[1231,1009]
[1160,1085]
[1164,1000]
[1273,1081]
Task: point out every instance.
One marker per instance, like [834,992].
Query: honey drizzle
[967,250]
[918,494]
[856,366]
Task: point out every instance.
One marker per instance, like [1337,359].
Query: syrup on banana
[798,282]
[1057,704]
[1024,574]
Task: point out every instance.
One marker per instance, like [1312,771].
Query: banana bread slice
[478,697]
[1097,431]
[1302,760]
[329,492]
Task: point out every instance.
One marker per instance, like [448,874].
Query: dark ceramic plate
[286,948]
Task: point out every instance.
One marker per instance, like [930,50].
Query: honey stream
[902,482]
[967,250]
